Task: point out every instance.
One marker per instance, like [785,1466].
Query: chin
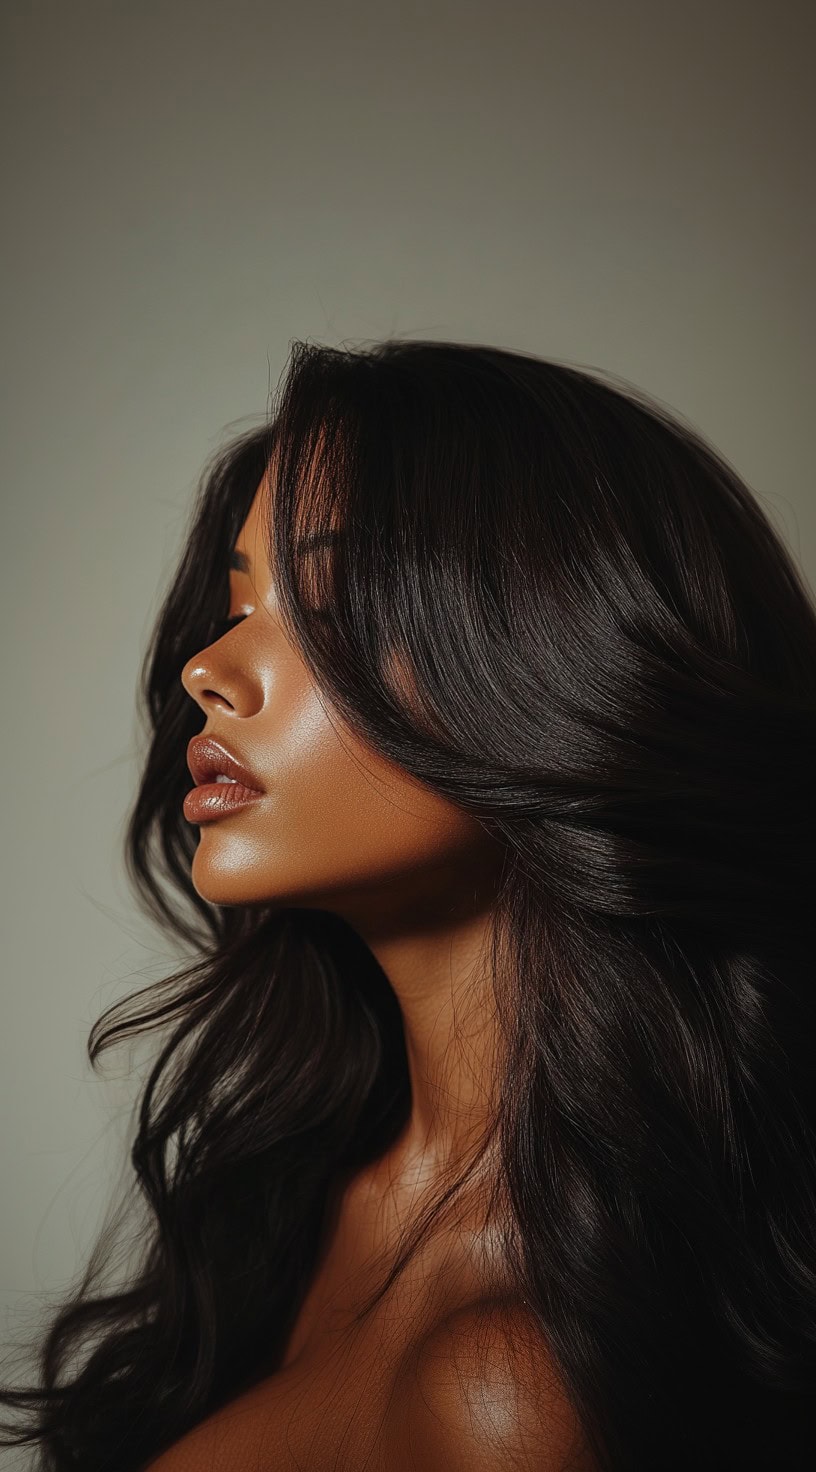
[223,874]
[220,877]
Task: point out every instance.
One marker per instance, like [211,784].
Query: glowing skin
[340,828]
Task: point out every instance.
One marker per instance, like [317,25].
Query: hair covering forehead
[317,478]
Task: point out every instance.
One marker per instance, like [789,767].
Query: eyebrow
[239,562]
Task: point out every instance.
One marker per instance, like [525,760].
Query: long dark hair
[613,667]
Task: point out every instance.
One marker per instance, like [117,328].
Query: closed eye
[222,626]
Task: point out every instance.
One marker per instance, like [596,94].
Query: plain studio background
[188,187]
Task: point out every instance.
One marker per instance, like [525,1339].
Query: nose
[214,682]
[207,687]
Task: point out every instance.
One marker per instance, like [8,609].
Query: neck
[438,966]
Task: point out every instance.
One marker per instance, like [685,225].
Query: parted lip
[208,759]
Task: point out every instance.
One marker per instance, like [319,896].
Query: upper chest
[326,1405]
[456,1263]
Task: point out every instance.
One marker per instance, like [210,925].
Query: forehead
[250,554]
[256,515]
[250,541]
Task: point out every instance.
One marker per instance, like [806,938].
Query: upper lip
[208,759]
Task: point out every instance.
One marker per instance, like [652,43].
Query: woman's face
[338,826]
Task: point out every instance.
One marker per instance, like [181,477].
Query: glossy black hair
[612,662]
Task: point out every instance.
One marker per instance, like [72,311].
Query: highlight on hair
[612,661]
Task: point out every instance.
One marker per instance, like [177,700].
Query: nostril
[216,697]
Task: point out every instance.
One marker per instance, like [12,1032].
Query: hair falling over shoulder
[547,544]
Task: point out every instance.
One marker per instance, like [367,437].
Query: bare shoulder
[480,1393]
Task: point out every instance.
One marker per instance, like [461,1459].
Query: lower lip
[217,800]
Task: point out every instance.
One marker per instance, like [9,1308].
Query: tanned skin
[447,1372]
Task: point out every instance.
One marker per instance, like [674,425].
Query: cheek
[336,816]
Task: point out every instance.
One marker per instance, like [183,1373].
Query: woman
[484,1134]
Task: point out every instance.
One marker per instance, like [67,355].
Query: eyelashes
[223,625]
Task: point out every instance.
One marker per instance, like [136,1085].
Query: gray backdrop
[190,186]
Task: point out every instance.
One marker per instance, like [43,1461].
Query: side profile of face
[338,827]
